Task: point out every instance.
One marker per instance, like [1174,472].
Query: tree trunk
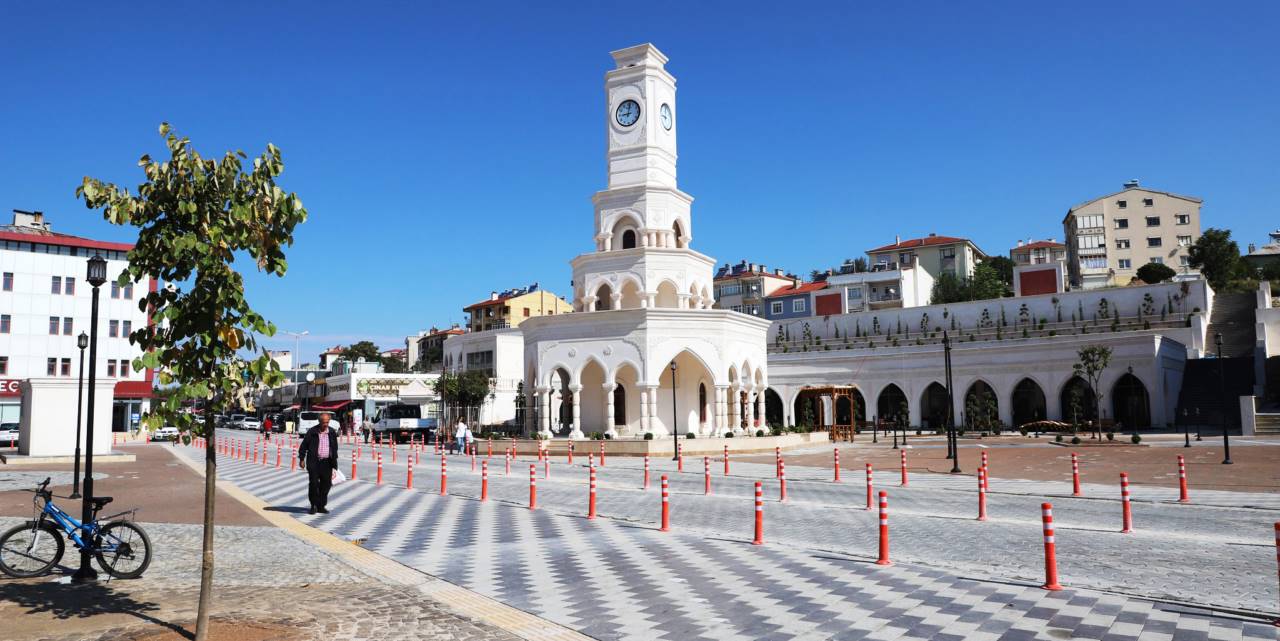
[210,492]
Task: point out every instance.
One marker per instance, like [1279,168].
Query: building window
[4,323]
[1153,221]
[1184,261]
[69,286]
[1122,243]
[111,368]
[1182,219]
[56,286]
[1154,241]
[124,369]
[1157,260]
[1122,223]
[128,291]
[4,365]
[8,281]
[1147,202]
[775,307]
[54,324]
[1091,221]
[66,367]
[797,305]
[1122,204]
[1184,241]
[67,326]
[115,289]
[1091,241]
[51,367]
[526,312]
[1124,263]
[126,328]
[731,290]
[1094,262]
[113,329]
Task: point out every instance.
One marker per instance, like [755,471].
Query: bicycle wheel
[27,551]
[123,550]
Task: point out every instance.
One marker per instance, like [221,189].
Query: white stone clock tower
[643,321]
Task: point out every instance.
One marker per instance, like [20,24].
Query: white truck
[401,421]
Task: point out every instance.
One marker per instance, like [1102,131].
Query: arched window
[702,403]
[604,298]
[629,239]
[679,234]
[619,405]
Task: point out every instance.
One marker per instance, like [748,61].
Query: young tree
[1003,266]
[393,364]
[1093,361]
[363,349]
[195,216]
[986,283]
[1153,273]
[948,288]
[1217,257]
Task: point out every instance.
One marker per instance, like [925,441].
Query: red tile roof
[799,289]
[491,301]
[927,241]
[1041,244]
[62,240]
[747,274]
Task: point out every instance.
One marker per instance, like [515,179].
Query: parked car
[236,422]
[166,433]
[8,434]
[251,423]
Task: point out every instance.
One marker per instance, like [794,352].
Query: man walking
[318,454]
[460,435]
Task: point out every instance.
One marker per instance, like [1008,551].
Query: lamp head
[82,341]
[97,273]
[673,366]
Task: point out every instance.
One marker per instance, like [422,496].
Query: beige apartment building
[1109,238]
[512,307]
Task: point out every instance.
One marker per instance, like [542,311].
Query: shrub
[608,436]
[1136,439]
[648,436]
[728,434]
[1022,430]
[759,432]
[1058,438]
[1111,436]
[775,430]
[596,436]
[690,435]
[1075,440]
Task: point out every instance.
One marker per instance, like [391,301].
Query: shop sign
[380,387]
[10,387]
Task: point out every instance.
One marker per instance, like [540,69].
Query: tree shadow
[290,509]
[70,601]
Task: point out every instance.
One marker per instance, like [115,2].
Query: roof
[802,288]
[29,235]
[1128,189]
[749,274]
[1041,244]
[492,301]
[927,241]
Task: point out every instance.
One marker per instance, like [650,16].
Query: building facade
[744,287]
[430,348]
[45,304]
[1110,237]
[512,307]
[934,254]
[1038,252]
[795,301]
[499,353]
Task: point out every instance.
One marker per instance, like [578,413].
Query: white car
[8,434]
[167,433]
[251,423]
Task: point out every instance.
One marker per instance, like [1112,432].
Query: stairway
[1201,390]
[1267,424]
[1233,315]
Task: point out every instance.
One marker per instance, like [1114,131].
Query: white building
[500,354]
[45,305]
[643,299]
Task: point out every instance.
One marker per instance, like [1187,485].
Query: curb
[454,598]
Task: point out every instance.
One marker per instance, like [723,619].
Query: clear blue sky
[446,150]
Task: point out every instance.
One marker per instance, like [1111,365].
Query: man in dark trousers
[318,454]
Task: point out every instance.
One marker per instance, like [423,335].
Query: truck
[401,422]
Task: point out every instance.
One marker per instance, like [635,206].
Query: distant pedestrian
[266,427]
[318,454]
[469,439]
[460,435]
[367,428]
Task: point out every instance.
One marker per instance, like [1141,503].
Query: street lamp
[96,276]
[82,341]
[1186,429]
[953,438]
[1222,391]
[675,422]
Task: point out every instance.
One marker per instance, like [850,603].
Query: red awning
[330,406]
[295,406]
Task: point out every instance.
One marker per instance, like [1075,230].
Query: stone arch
[604,297]
[1088,407]
[667,295]
[592,402]
[1130,403]
[626,376]
[678,230]
[560,380]
[933,406]
[682,403]
[625,222]
[632,293]
[1028,402]
[981,405]
[773,408]
[892,405]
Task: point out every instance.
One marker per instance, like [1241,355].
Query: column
[655,422]
[615,300]
[544,415]
[651,300]
[644,410]
[610,426]
[760,407]
[682,301]
[576,432]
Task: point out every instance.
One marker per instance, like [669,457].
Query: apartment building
[745,286]
[1110,237]
[429,347]
[1038,252]
[512,307]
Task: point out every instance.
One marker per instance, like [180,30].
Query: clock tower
[640,102]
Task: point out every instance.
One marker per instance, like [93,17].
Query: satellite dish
[311,376]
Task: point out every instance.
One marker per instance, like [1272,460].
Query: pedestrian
[318,454]
[460,435]
[266,427]
[470,439]
[367,428]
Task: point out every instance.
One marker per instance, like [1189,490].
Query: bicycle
[32,549]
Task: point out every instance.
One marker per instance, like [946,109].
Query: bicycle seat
[99,501]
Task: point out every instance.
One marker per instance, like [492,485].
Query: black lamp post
[1186,429]
[97,275]
[82,341]
[953,438]
[1222,391]
[675,422]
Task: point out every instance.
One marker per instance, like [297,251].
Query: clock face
[665,115]
[628,113]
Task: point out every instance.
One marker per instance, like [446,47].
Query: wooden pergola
[838,430]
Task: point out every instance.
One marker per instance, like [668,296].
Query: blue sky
[447,150]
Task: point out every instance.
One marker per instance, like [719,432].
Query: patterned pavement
[617,577]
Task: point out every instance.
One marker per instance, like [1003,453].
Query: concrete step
[1267,424]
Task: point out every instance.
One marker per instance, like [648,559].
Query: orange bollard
[1124,499]
[1075,475]
[601,453]
[982,494]
[508,457]
[379,468]
[408,474]
[591,495]
[904,468]
[444,474]
[353,466]
[666,507]
[279,454]
[1182,481]
[646,471]
[884,530]
[726,460]
[870,492]
[759,540]
[546,467]
[1050,549]
[490,455]
[569,455]
[777,461]
[533,486]
[782,481]
[484,480]
[986,472]
[836,464]
[706,475]
[473,458]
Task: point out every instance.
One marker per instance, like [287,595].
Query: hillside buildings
[512,307]
[1110,237]
[743,287]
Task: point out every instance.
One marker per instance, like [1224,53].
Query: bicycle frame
[71,527]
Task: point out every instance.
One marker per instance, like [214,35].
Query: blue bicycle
[35,547]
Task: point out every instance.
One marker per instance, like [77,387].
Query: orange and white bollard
[569,455]
[508,463]
[726,460]
[484,480]
[408,474]
[533,486]
[1124,499]
[679,457]
[666,507]
[1075,475]
[982,494]
[473,458]
[782,481]
[884,530]
[1182,481]
[1050,549]
[706,475]
[490,454]
[444,474]
[836,463]
[591,494]
[379,468]
[870,490]
[759,540]
[546,467]
[904,467]
[986,472]
[601,453]
[646,472]
[1277,621]
[353,465]
[393,451]
[279,455]
[777,461]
